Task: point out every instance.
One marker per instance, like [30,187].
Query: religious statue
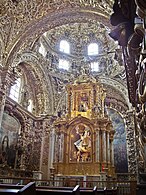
[83,146]
[83,105]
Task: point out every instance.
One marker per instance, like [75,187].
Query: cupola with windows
[70,44]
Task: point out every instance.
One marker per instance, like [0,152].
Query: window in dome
[64,46]
[93,49]
[63,64]
[94,66]
[14,90]
[42,50]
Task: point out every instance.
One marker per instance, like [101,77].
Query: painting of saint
[8,140]
[120,150]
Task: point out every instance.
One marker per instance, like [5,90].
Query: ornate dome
[79,36]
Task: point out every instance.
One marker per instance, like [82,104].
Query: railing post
[133,185]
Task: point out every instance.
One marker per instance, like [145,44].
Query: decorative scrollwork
[142,83]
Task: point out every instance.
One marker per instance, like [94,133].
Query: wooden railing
[123,187]
[9,189]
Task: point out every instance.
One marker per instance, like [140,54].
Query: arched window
[92,49]
[94,66]
[63,64]
[15,89]
[64,46]
[30,106]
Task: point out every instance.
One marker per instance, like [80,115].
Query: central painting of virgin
[80,144]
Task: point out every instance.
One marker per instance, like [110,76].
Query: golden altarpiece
[84,135]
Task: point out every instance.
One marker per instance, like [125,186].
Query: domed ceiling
[79,36]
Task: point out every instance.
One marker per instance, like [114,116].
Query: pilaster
[131,142]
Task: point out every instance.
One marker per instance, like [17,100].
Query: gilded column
[69,102]
[74,104]
[108,148]
[100,146]
[61,146]
[103,95]
[97,146]
[104,145]
[51,147]
[91,102]
[76,101]
[112,153]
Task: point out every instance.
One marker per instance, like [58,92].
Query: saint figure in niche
[83,105]
[83,145]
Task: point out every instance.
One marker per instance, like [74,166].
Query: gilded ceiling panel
[19,17]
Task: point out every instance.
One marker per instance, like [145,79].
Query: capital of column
[97,129]
[103,129]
